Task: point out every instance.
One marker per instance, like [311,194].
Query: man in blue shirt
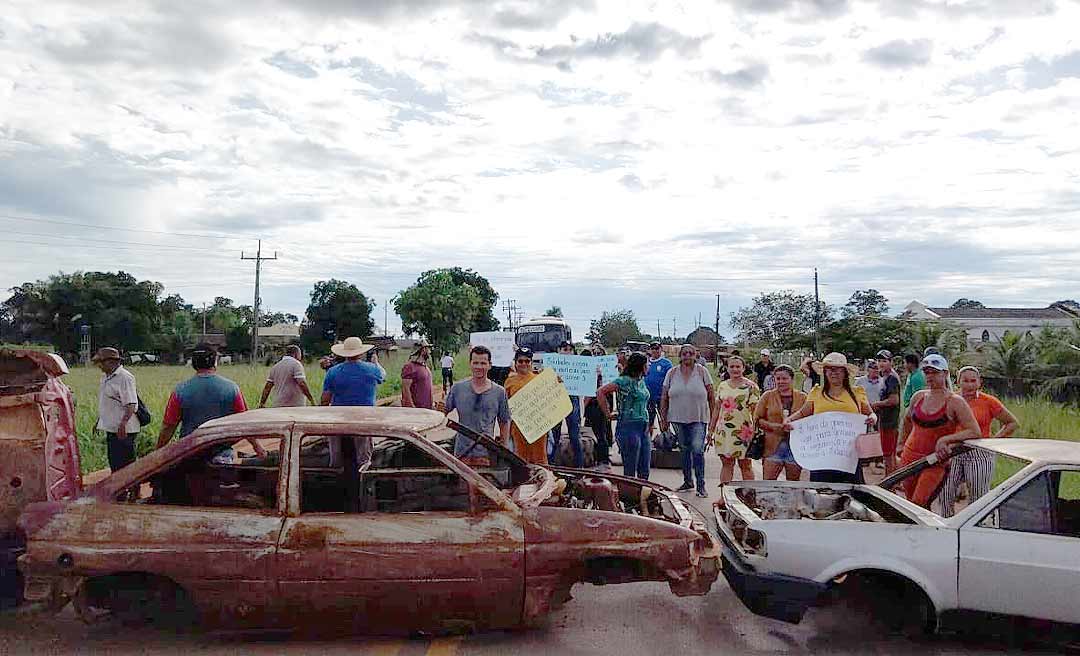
[655,373]
[352,382]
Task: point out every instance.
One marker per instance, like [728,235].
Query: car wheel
[894,602]
[134,599]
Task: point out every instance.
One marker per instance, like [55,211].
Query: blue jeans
[692,444]
[635,447]
[573,426]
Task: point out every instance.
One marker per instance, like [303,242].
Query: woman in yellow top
[733,422]
[536,453]
[835,394]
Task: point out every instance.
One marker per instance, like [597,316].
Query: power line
[99,226]
[107,241]
[98,246]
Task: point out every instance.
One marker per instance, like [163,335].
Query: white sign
[609,367]
[827,441]
[578,372]
[500,342]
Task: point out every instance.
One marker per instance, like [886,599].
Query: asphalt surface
[641,619]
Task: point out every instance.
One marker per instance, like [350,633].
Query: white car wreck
[1013,552]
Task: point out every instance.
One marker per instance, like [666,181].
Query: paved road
[628,620]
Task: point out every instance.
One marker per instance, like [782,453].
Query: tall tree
[553,311]
[484,319]
[862,336]
[337,310]
[866,303]
[966,304]
[441,309]
[780,319]
[1012,357]
[614,328]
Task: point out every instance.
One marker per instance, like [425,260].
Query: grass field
[156,382]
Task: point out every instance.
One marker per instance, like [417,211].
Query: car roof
[1035,450]
[414,419]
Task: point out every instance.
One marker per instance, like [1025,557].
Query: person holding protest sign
[480,404]
[687,403]
[573,423]
[631,430]
[521,376]
[937,419]
[976,466]
[835,394]
[595,419]
[732,425]
[770,413]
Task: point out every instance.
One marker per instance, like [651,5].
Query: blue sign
[578,372]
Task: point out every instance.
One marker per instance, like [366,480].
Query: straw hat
[351,347]
[835,360]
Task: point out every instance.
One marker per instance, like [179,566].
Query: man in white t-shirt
[447,364]
[288,380]
[872,382]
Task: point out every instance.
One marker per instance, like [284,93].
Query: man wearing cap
[199,399]
[655,373]
[887,408]
[117,402]
[573,423]
[763,369]
[287,377]
[416,385]
[354,381]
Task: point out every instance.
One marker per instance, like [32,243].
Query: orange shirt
[985,407]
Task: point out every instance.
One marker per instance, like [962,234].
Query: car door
[1022,557]
[423,547]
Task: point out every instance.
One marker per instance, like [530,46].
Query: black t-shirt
[890,417]
[762,370]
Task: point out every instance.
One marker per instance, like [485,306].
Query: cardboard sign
[827,441]
[500,342]
[578,372]
[538,406]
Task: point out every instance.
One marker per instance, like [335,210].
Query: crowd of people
[746,415]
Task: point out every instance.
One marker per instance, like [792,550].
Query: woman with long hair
[835,394]
[732,425]
[976,466]
[631,429]
[774,407]
[937,419]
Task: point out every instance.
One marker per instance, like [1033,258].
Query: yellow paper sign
[538,406]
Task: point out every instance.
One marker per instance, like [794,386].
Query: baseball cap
[766,352]
[106,353]
[935,361]
[653,345]
[931,350]
[871,364]
[884,354]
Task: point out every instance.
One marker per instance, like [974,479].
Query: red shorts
[888,440]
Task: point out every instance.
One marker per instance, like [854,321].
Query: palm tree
[1013,359]
[948,339]
[1059,353]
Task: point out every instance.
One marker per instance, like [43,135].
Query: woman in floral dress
[733,423]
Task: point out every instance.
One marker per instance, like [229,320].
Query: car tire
[134,599]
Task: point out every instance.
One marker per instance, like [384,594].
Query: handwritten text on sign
[609,367]
[827,441]
[578,372]
[538,406]
[501,343]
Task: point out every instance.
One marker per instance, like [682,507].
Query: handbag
[755,450]
[142,413]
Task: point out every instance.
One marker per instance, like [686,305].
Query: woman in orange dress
[937,419]
[536,453]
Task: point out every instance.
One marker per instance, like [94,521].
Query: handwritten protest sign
[501,343]
[827,441]
[578,372]
[538,406]
[608,367]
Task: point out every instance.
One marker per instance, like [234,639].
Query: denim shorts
[783,454]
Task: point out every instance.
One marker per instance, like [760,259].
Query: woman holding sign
[631,430]
[732,424]
[774,407]
[835,394]
[522,375]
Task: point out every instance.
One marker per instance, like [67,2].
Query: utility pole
[508,307]
[255,308]
[672,327]
[657,329]
[385,315]
[817,318]
[716,353]
[203,322]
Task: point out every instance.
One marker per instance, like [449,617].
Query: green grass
[156,382]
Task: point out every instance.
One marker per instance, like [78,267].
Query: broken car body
[414,540]
[1013,552]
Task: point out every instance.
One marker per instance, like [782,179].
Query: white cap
[766,352]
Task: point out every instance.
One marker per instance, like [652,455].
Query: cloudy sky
[581,153]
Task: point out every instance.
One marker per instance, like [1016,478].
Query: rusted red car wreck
[299,535]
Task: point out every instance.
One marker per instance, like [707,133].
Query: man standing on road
[916,379]
[655,373]
[290,381]
[201,398]
[573,423]
[763,369]
[352,383]
[871,383]
[447,364]
[481,404]
[416,387]
[887,409]
[117,402]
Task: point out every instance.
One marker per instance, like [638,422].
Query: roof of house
[280,330]
[1000,313]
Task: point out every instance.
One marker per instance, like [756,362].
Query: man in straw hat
[117,402]
[352,383]
[416,385]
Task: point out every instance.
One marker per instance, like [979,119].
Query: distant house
[990,324]
[278,335]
